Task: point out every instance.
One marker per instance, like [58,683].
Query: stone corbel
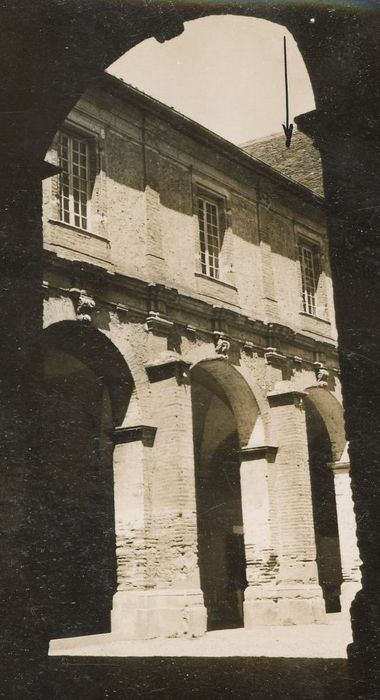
[321,373]
[171,365]
[248,346]
[135,433]
[84,304]
[156,320]
[158,324]
[222,344]
[250,454]
[273,357]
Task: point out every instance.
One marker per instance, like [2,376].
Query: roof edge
[126,92]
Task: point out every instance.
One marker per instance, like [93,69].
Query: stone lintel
[286,397]
[268,452]
[339,467]
[135,433]
[167,368]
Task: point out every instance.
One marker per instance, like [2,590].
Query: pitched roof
[246,153]
[300,163]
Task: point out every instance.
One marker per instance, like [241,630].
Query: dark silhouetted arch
[94,349]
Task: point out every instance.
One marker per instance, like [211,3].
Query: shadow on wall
[185,677]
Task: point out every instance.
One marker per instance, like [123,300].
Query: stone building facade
[191,381]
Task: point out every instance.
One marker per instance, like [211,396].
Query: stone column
[349,551]
[172,601]
[261,560]
[299,597]
[129,619]
[351,171]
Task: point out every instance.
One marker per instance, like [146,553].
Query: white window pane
[307,255]
[75,185]
[209,236]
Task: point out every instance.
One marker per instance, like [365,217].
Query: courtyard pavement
[303,662]
[323,641]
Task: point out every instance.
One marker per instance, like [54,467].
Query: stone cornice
[203,135]
[189,313]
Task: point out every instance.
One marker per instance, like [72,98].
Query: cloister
[50,53]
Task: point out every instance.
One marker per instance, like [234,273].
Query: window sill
[315,318]
[227,285]
[78,229]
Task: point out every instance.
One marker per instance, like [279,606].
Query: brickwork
[139,262]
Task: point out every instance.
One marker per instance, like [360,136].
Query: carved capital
[286,395]
[143,433]
[339,467]
[250,454]
[171,365]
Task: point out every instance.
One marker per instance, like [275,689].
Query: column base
[158,613]
[284,606]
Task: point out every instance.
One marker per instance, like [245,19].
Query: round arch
[94,349]
[227,382]
[128,25]
[86,391]
[331,413]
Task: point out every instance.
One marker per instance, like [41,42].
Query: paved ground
[268,663]
[327,641]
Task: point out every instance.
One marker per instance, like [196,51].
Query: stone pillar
[261,560]
[23,605]
[349,551]
[350,156]
[171,603]
[129,620]
[298,594]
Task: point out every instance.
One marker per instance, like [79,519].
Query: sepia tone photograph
[189,384]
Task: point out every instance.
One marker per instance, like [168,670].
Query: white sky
[225,72]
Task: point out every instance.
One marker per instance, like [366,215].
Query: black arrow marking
[288,128]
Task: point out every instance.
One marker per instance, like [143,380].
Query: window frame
[309,291]
[75,218]
[219,201]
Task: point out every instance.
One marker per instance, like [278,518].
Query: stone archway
[85,393]
[224,416]
[334,520]
[339,42]
[325,517]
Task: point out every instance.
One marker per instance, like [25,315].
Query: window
[308,254]
[74,160]
[210,236]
